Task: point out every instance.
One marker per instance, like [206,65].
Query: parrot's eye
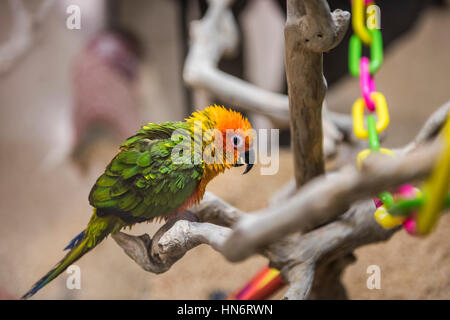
[236,140]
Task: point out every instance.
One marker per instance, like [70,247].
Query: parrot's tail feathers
[97,230]
[72,256]
[75,241]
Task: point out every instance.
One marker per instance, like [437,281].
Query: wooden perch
[171,242]
[310,30]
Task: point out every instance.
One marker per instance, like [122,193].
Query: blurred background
[68,97]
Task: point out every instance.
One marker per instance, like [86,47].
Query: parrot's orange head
[227,131]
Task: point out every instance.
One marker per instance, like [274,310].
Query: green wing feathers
[139,184]
[142,182]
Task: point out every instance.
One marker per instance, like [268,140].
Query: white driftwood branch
[301,276]
[180,234]
[214,210]
[184,234]
[171,242]
[310,30]
[216,36]
[23,34]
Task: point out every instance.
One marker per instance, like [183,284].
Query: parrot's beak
[249,157]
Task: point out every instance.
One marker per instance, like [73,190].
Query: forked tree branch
[171,242]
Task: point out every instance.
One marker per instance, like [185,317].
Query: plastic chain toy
[418,212]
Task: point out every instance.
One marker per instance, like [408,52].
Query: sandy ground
[43,207]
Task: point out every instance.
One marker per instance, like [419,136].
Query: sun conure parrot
[143,181]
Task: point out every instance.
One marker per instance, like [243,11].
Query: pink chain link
[407,191]
[366,83]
